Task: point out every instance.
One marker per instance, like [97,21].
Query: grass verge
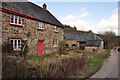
[93,64]
[40,58]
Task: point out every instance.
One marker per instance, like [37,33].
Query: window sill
[17,50]
[41,29]
[19,25]
[55,31]
[55,46]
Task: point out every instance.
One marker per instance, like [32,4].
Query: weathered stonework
[91,48]
[47,35]
[70,44]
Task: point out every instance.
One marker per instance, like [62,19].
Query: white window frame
[55,43]
[41,25]
[13,45]
[18,19]
[55,29]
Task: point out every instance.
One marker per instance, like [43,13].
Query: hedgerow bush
[7,48]
[24,49]
[62,47]
[59,68]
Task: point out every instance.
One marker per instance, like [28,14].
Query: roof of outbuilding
[80,35]
[91,38]
[33,10]
[93,43]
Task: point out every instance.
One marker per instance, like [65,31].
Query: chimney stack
[44,6]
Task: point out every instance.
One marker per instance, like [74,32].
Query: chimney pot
[44,6]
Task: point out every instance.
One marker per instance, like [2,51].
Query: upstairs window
[55,43]
[55,28]
[14,19]
[16,44]
[41,25]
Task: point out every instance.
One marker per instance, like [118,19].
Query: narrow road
[109,68]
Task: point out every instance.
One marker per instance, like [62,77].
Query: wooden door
[40,48]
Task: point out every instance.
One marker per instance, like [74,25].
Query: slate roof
[93,43]
[33,10]
[91,38]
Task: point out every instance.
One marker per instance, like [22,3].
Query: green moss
[51,56]
[35,57]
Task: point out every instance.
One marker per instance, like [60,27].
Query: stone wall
[71,42]
[29,25]
[87,48]
[91,48]
[101,47]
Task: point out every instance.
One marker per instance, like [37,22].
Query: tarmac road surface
[109,68]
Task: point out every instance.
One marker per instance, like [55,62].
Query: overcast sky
[95,16]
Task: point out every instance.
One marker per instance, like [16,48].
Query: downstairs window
[16,44]
[55,43]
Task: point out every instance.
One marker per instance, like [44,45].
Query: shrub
[60,68]
[62,47]
[24,49]
[7,48]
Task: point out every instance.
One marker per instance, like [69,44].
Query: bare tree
[109,33]
[109,38]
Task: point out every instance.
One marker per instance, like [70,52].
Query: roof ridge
[33,10]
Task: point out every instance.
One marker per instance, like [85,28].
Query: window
[19,20]
[15,19]
[55,43]
[12,19]
[55,28]
[82,45]
[16,44]
[40,25]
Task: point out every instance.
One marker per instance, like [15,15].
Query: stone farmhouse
[83,40]
[27,21]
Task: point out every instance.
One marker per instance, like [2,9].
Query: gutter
[26,16]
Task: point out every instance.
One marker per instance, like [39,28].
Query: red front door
[40,48]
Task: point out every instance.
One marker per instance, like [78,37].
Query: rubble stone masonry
[47,35]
